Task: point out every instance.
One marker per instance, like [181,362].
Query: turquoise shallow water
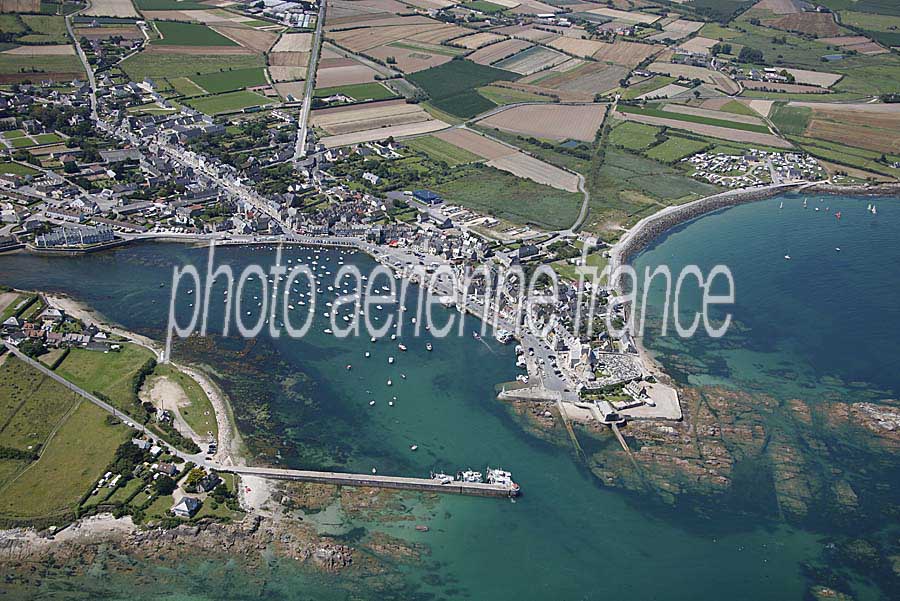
[567,537]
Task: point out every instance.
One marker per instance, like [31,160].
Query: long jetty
[479,489]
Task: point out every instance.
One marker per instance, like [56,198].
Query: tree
[164,485]
[750,55]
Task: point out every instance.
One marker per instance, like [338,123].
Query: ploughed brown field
[820,25]
[878,131]
[551,121]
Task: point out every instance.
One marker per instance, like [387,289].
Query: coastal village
[490,140]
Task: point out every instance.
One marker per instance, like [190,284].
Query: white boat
[781,206]
[328,331]
[401,346]
[389,383]
[837,248]
[368,354]
[470,476]
[442,478]
[428,346]
[502,478]
[413,447]
[787,257]
[390,360]
[371,402]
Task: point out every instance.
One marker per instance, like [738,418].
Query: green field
[653,112]
[16,169]
[628,187]
[111,374]
[145,64]
[505,196]
[429,48]
[360,92]
[189,34]
[228,102]
[645,87]
[72,460]
[633,136]
[38,408]
[226,81]
[791,120]
[548,151]
[674,149]
[32,67]
[199,415]
[439,150]
[48,138]
[501,96]
[186,87]
[452,86]
[484,6]
[45,30]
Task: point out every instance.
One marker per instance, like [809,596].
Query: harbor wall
[650,228]
[478,489]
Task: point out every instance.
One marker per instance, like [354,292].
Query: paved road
[303,120]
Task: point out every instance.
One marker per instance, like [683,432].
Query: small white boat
[787,257]
[413,447]
[390,359]
[837,248]
[389,383]
[401,346]
[368,354]
[372,402]
[428,346]
[328,331]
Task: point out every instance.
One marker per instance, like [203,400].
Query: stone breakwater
[654,226]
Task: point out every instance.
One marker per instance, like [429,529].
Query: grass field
[144,64]
[484,6]
[505,196]
[227,102]
[72,460]
[45,30]
[645,87]
[652,112]
[186,87]
[110,374]
[440,150]
[554,155]
[189,34]
[359,92]
[674,149]
[34,66]
[628,187]
[791,120]
[452,86]
[39,408]
[16,169]
[633,136]
[227,81]
[501,96]
[199,415]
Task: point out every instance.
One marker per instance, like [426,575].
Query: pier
[478,489]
